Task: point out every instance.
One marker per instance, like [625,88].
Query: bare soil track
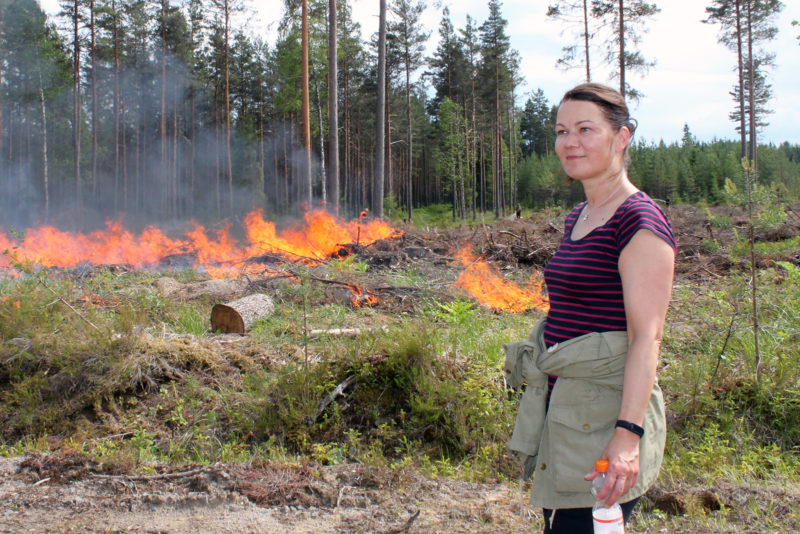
[68,493]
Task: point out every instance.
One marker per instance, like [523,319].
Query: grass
[107,366]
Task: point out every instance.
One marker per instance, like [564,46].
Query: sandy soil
[67,493]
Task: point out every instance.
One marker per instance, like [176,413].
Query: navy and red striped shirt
[582,277]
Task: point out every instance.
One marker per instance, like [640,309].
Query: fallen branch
[344,332]
[341,494]
[79,314]
[405,527]
[333,394]
[506,232]
[143,478]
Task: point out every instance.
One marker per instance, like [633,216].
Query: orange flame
[488,286]
[361,298]
[316,239]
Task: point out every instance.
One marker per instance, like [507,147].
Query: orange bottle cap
[601,465]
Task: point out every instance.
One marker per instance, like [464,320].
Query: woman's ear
[623,138]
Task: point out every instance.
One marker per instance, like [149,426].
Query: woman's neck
[604,189]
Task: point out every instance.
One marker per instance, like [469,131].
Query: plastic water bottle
[606,520]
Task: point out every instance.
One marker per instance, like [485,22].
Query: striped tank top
[582,277]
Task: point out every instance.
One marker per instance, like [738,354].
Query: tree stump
[236,317]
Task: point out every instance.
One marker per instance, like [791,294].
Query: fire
[488,286]
[314,240]
[361,298]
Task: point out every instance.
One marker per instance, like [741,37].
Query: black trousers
[578,520]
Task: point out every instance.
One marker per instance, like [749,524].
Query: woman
[591,364]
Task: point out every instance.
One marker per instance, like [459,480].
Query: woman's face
[586,142]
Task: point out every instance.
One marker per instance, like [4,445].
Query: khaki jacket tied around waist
[565,441]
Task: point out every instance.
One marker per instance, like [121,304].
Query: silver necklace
[603,203]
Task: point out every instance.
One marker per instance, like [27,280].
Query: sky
[688,85]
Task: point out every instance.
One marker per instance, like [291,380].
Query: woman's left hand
[622,453]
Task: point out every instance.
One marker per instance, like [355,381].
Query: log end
[226,320]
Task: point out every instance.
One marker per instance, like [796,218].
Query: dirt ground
[67,493]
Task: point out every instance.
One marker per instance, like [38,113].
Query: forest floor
[68,492]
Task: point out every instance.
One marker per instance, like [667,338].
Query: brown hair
[610,101]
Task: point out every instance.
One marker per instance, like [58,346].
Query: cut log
[236,317]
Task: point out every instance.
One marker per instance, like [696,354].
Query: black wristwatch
[631,427]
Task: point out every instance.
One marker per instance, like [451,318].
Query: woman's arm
[646,266]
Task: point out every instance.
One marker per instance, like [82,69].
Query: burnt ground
[68,492]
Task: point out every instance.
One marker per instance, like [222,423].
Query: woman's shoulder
[641,211]
[641,203]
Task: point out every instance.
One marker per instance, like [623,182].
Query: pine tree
[448,70]
[496,79]
[744,26]
[574,13]
[625,19]
[380,128]
[410,41]
[333,108]
[536,126]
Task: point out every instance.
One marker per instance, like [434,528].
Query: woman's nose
[569,139]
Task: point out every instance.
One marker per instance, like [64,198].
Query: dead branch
[333,394]
[145,478]
[344,332]
[79,314]
[341,494]
[405,527]
[506,232]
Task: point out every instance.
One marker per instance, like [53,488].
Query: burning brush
[484,283]
[317,239]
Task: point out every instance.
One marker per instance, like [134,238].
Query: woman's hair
[610,101]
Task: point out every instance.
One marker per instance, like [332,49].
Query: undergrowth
[106,365]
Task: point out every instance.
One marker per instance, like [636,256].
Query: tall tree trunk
[483,177]
[463,155]
[740,59]
[94,98]
[163,175]
[752,89]
[586,38]
[621,48]
[333,109]
[499,185]
[175,196]
[76,102]
[389,169]
[474,139]
[323,176]
[377,185]
[409,137]
[347,146]
[2,158]
[511,143]
[306,182]
[228,155]
[116,105]
[45,179]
